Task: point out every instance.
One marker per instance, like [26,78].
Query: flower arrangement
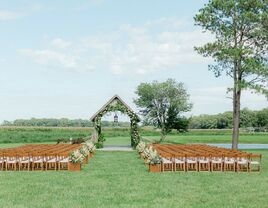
[141,147]
[90,146]
[76,157]
[84,151]
[152,156]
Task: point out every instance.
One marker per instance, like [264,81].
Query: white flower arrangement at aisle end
[90,146]
[152,156]
[76,157]
[84,151]
[141,147]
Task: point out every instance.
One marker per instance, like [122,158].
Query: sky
[65,59]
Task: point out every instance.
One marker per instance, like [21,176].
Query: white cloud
[147,48]
[60,43]
[9,15]
[50,57]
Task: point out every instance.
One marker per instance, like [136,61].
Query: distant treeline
[63,122]
[249,118]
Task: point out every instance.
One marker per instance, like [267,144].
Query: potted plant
[76,158]
[153,159]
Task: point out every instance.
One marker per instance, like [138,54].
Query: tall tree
[162,105]
[240,47]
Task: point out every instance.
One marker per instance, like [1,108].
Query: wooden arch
[117,104]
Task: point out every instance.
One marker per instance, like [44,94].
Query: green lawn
[121,136]
[120,179]
[184,139]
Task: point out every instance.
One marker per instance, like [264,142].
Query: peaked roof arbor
[117,104]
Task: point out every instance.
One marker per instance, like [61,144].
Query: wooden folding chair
[167,163]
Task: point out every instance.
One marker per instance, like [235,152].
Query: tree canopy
[162,105]
[240,47]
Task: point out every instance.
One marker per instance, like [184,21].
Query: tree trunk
[163,135]
[236,116]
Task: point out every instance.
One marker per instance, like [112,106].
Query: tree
[240,47]
[262,118]
[162,104]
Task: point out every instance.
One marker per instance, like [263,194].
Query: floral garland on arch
[134,120]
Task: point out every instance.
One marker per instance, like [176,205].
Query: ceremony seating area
[37,157]
[199,157]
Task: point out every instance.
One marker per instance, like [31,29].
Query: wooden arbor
[117,104]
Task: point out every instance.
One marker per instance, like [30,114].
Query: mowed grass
[120,179]
[121,136]
[184,139]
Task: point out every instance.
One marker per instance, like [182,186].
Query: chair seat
[191,161]
[217,161]
[229,161]
[166,161]
[178,161]
[204,161]
[52,160]
[24,161]
[38,161]
[64,160]
[241,162]
[254,162]
[11,161]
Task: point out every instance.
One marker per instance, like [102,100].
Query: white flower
[152,155]
[76,157]
[90,146]
[141,147]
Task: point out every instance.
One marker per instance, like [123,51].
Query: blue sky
[67,58]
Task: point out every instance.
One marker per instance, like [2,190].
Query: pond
[243,146]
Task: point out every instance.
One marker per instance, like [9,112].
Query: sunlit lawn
[184,139]
[121,136]
[120,179]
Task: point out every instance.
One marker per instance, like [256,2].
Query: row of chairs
[33,162]
[37,157]
[207,163]
[199,157]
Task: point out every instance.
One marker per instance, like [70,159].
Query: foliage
[241,44]
[117,105]
[162,104]
[240,48]
[63,122]
[249,118]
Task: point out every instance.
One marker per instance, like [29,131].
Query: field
[120,179]
[120,136]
